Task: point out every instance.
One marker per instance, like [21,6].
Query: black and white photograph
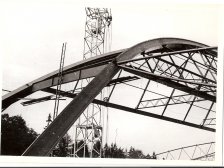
[113,83]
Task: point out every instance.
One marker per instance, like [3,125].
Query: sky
[35,30]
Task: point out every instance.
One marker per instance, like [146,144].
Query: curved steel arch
[80,70]
[104,72]
[91,67]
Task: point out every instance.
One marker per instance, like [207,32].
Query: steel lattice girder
[132,110]
[46,141]
[179,152]
[170,82]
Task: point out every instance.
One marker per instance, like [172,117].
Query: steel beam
[186,70]
[83,69]
[167,54]
[190,146]
[169,82]
[205,156]
[171,103]
[122,80]
[57,129]
[38,100]
[135,111]
[46,98]
[31,88]
[152,70]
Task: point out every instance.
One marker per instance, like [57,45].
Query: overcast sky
[35,30]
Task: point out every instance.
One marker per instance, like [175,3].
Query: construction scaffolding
[89,129]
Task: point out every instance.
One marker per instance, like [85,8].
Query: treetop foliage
[16,138]
[15,135]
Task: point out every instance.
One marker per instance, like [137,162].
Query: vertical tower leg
[89,128]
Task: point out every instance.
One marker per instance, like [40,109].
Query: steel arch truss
[171,79]
[204,151]
[190,77]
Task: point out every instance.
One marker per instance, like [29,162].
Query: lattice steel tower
[97,40]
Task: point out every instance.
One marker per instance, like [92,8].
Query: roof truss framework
[187,68]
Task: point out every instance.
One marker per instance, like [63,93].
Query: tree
[154,155]
[61,149]
[16,136]
[147,156]
[136,153]
[113,151]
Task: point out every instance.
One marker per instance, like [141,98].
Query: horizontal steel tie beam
[160,105]
[122,80]
[45,98]
[166,54]
[172,97]
[205,156]
[128,109]
[112,82]
[169,82]
[69,77]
